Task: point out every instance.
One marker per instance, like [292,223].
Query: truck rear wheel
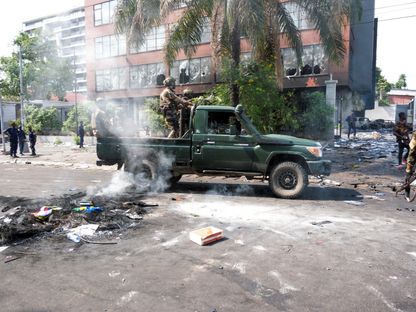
[144,169]
[174,179]
[288,179]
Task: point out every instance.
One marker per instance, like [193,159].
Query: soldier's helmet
[100,102]
[188,92]
[169,82]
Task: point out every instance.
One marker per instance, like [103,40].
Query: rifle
[406,185]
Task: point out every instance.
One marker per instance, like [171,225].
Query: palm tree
[263,22]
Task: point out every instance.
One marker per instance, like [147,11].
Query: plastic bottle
[73,237]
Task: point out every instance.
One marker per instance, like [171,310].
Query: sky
[396,39]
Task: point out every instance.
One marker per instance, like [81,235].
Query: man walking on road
[351,125]
[32,141]
[12,133]
[401,132]
[81,133]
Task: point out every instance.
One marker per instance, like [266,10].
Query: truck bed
[114,150]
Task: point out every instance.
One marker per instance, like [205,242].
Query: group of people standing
[17,138]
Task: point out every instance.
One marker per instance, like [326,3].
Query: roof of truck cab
[216,108]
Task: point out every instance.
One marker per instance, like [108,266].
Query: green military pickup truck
[221,141]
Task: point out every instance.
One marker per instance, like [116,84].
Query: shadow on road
[311,193]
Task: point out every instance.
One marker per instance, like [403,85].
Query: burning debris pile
[71,216]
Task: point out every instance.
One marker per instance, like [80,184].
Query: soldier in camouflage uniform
[185,112]
[410,165]
[401,132]
[170,103]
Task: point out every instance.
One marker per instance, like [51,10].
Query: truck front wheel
[288,179]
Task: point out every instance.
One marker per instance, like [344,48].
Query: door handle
[241,144]
[211,142]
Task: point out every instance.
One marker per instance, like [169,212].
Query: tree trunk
[235,56]
[278,63]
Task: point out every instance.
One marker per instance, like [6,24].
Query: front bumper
[320,167]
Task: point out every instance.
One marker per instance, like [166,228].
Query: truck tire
[288,179]
[145,168]
[174,179]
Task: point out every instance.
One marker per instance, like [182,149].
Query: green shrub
[57,141]
[317,119]
[270,110]
[42,119]
[76,139]
[84,111]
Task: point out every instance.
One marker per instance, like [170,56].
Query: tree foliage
[155,121]
[44,72]
[317,118]
[41,119]
[382,87]
[270,110]
[401,83]
[84,112]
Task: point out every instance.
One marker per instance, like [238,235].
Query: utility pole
[2,126]
[22,112]
[75,93]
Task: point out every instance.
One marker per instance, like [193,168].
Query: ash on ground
[116,214]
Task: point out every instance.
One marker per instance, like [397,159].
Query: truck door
[221,147]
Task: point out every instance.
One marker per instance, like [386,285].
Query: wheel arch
[276,159]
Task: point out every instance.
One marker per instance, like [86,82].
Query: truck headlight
[315,150]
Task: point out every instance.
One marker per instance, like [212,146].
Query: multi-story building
[127,75]
[67,30]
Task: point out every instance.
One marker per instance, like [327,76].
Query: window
[110,46]
[223,123]
[206,31]
[196,70]
[313,59]
[103,12]
[111,79]
[299,16]
[148,75]
[154,40]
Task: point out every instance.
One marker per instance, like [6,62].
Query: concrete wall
[68,140]
[10,113]
[385,112]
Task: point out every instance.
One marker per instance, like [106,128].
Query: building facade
[401,96]
[127,75]
[67,30]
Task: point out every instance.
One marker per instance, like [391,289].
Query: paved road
[40,181]
[318,253]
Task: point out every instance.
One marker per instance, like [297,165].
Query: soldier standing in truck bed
[100,122]
[170,103]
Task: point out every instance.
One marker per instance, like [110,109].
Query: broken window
[111,79]
[196,70]
[314,61]
[290,63]
[148,75]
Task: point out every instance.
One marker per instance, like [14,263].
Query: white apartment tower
[67,29]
